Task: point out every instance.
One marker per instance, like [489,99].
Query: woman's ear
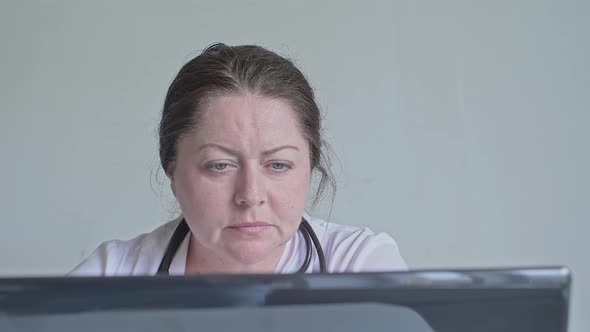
[170,174]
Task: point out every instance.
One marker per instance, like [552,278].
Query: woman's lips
[251,227]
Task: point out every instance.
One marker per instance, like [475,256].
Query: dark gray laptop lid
[531,299]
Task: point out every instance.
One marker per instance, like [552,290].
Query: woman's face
[242,178]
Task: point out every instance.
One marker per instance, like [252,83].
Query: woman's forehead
[249,122]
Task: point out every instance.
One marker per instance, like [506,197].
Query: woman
[239,140]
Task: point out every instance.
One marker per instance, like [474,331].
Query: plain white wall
[461,127]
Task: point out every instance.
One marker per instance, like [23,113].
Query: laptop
[508,300]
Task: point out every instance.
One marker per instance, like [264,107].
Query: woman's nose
[250,188]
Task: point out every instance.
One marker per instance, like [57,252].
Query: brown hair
[222,69]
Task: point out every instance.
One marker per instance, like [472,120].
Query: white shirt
[346,248]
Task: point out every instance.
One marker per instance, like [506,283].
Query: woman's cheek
[199,191]
[295,191]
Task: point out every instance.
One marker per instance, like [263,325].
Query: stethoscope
[182,230]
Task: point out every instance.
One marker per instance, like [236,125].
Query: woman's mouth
[251,227]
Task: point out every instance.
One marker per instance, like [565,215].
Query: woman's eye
[218,167]
[279,166]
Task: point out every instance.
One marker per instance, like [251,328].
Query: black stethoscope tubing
[305,228]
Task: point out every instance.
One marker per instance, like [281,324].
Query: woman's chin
[261,257]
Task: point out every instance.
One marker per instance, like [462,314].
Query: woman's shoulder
[137,255]
[356,249]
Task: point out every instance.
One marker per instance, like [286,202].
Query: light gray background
[460,127]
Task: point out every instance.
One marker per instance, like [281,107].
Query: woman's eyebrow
[235,153]
[218,146]
[282,147]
